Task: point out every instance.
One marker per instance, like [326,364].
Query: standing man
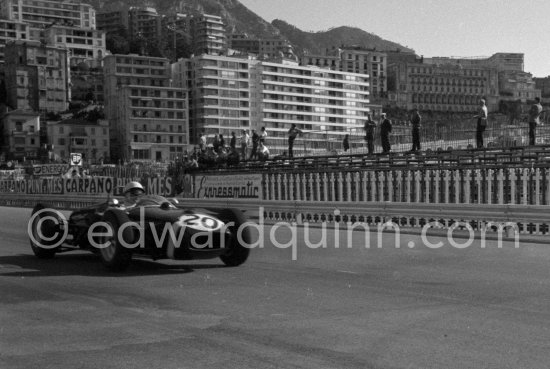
[370,125]
[255,142]
[481,123]
[293,132]
[534,120]
[202,142]
[416,119]
[233,142]
[245,139]
[385,130]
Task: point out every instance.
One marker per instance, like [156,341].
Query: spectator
[263,135]
[370,125]
[245,139]
[263,152]
[481,123]
[534,120]
[385,130]
[293,132]
[222,141]
[216,143]
[416,119]
[255,142]
[345,143]
[202,142]
[233,141]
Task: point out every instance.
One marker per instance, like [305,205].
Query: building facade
[11,31]
[543,84]
[84,46]
[231,94]
[325,104]
[208,35]
[263,48]
[21,133]
[219,93]
[149,119]
[443,87]
[91,139]
[358,60]
[37,77]
[44,13]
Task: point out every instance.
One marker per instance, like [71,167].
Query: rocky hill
[316,42]
[239,19]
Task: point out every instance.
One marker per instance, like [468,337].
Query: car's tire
[237,253]
[42,248]
[116,257]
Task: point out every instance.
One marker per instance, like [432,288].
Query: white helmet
[133,186]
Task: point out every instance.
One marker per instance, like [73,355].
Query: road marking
[346,271]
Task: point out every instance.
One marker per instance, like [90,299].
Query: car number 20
[200,221]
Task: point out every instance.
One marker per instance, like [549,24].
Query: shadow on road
[85,264]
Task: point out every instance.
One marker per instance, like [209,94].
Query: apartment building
[21,134]
[219,93]
[91,139]
[443,87]
[37,77]
[231,94]
[325,104]
[354,59]
[208,34]
[263,48]
[543,84]
[517,85]
[149,118]
[84,45]
[43,13]
[11,31]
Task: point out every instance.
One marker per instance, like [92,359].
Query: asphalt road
[330,308]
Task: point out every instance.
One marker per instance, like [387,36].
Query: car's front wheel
[237,253]
[113,244]
[45,232]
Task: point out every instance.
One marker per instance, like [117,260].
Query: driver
[132,192]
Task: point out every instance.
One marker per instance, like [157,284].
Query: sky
[459,28]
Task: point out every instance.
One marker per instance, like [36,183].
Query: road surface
[356,307]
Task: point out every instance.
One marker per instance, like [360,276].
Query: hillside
[316,42]
[239,19]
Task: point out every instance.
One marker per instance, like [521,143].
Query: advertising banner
[49,169]
[234,186]
[91,186]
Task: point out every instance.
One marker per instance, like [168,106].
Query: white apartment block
[232,94]
[208,34]
[325,104]
[83,45]
[355,60]
[149,118]
[219,90]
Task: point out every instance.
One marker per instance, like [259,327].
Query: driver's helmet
[134,188]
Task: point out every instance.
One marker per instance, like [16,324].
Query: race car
[155,226]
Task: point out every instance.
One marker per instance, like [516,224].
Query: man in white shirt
[245,139]
[481,123]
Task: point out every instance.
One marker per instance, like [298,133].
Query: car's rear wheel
[113,245]
[237,253]
[45,232]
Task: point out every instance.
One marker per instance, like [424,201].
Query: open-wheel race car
[154,227]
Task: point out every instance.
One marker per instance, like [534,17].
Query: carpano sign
[245,186]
